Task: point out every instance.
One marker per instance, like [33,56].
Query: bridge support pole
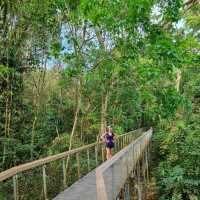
[88,159]
[139,189]
[15,187]
[44,181]
[147,162]
[127,192]
[78,165]
[64,173]
[144,166]
[102,153]
[118,197]
[96,155]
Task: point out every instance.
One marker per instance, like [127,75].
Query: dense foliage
[68,68]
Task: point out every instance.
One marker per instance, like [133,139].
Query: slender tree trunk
[105,110]
[6,125]
[78,104]
[57,131]
[5,130]
[33,135]
[74,125]
[82,129]
[102,115]
[178,80]
[104,106]
[104,100]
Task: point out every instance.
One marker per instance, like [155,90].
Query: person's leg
[111,149]
[107,153]
[110,153]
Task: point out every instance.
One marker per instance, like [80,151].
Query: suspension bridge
[82,173]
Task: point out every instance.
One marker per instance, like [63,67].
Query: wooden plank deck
[83,189]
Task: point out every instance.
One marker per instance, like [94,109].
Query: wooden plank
[83,189]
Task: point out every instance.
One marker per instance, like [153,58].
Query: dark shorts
[110,145]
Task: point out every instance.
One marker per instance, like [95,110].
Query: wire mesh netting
[29,184]
[83,163]
[72,174]
[6,189]
[54,174]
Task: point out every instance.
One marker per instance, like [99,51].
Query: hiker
[109,138]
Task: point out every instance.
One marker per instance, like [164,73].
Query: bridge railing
[46,177]
[111,176]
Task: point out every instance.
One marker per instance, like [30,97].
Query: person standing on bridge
[109,138]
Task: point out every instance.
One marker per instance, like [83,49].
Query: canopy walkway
[86,177]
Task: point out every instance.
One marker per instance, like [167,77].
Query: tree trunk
[74,125]
[178,80]
[104,107]
[7,117]
[58,135]
[33,135]
[82,129]
[78,104]
[5,130]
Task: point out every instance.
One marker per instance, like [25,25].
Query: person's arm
[114,136]
[103,136]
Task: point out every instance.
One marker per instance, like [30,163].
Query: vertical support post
[78,165]
[127,192]
[96,154]
[139,189]
[128,138]
[148,148]
[15,187]
[147,163]
[118,197]
[124,140]
[144,165]
[115,149]
[102,153]
[88,159]
[44,181]
[64,173]
[117,145]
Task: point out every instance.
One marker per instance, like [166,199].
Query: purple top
[109,137]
